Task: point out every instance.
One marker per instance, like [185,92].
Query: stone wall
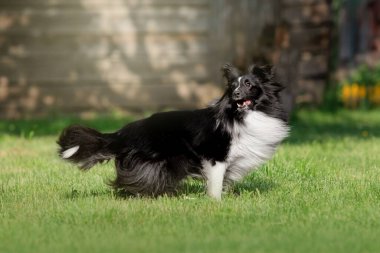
[78,55]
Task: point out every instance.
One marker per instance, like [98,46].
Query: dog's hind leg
[137,175]
[214,173]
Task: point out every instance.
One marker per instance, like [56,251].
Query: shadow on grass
[310,126]
[255,185]
[75,194]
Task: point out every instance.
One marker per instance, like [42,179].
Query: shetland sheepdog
[221,143]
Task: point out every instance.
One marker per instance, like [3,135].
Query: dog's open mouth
[243,103]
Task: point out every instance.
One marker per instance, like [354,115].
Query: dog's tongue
[247,102]
[244,103]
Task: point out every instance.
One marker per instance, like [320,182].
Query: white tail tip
[69,152]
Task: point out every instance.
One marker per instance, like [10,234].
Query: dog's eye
[247,83]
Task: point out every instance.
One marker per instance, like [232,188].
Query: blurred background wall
[79,55]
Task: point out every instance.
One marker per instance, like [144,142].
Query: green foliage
[364,75]
[320,193]
[362,88]
[331,99]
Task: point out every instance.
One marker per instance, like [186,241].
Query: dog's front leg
[214,173]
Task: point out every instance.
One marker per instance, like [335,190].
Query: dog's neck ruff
[253,141]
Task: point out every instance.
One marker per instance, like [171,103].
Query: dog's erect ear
[230,72]
[268,70]
[267,75]
[253,69]
[262,72]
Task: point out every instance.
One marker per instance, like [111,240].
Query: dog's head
[254,90]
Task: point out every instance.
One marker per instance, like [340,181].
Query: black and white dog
[221,143]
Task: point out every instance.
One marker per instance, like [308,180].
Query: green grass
[320,193]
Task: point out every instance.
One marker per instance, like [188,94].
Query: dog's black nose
[236,94]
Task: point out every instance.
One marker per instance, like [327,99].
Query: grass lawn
[320,193]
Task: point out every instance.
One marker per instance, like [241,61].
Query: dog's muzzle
[236,95]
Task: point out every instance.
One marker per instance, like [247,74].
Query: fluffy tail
[85,146]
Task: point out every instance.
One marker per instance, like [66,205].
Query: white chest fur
[253,143]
